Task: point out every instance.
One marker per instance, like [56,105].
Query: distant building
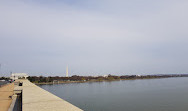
[105,75]
[15,76]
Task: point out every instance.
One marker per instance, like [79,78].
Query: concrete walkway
[35,98]
[5,100]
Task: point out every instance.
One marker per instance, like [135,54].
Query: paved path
[5,92]
[35,98]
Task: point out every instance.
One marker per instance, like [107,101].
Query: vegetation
[4,78]
[76,78]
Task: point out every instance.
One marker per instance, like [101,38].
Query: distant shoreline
[67,82]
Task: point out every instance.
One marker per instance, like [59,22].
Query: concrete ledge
[14,97]
[35,98]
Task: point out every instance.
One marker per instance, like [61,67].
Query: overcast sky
[93,37]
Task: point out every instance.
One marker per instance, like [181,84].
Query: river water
[167,94]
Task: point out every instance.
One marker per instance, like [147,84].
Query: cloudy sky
[93,37]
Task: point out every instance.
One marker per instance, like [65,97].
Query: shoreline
[68,82]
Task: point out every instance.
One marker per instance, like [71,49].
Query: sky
[93,37]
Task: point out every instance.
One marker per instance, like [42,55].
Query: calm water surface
[169,94]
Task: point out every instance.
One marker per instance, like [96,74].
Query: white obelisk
[67,72]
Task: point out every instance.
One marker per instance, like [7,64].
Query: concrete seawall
[35,98]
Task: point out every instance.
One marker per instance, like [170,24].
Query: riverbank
[67,82]
[95,80]
[5,92]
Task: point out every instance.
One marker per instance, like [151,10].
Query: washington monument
[67,72]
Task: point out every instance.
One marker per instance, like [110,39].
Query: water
[168,94]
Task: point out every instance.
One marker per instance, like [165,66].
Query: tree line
[43,79]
